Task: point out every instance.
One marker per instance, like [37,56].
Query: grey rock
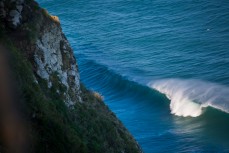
[14,19]
[50,46]
[19,8]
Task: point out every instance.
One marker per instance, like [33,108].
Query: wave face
[189,97]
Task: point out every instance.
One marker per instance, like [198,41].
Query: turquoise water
[162,67]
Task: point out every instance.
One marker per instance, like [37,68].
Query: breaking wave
[190,97]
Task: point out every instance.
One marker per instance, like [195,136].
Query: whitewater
[190,97]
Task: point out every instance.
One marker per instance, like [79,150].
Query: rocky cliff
[57,113]
[49,52]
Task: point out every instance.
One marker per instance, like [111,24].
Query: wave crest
[189,97]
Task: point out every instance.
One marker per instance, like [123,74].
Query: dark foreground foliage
[53,127]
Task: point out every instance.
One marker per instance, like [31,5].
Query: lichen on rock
[53,54]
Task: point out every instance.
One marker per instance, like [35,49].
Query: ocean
[162,67]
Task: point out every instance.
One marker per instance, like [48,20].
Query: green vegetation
[31,31]
[45,13]
[51,126]
[52,129]
[88,127]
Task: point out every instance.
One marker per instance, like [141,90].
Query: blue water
[161,66]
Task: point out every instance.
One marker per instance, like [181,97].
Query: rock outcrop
[52,55]
[11,10]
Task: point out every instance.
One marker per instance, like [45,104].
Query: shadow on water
[216,124]
[207,132]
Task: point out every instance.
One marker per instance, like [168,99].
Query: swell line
[188,97]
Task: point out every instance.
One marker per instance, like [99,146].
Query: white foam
[189,97]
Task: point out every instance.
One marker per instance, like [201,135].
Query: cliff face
[58,113]
[49,51]
[54,56]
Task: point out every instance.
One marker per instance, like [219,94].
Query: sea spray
[189,97]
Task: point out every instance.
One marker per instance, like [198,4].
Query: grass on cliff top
[88,127]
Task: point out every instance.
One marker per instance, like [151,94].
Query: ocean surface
[162,67]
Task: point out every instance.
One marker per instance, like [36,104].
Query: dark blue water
[134,51]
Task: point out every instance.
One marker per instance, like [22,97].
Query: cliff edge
[48,109]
